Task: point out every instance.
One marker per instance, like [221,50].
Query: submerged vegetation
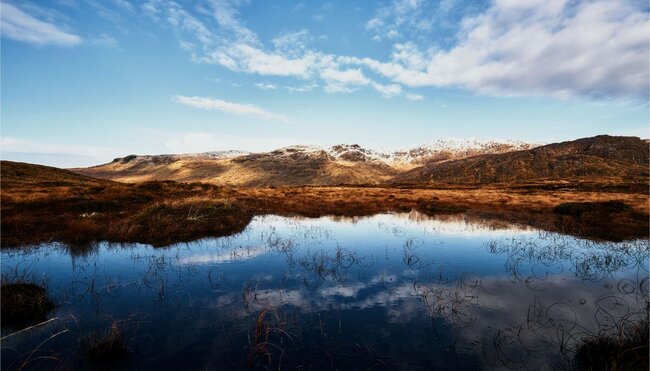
[24,304]
[627,350]
[105,347]
[292,293]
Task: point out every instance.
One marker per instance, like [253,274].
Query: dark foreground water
[399,291]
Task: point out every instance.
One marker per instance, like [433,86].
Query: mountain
[294,165]
[600,156]
[469,161]
[453,149]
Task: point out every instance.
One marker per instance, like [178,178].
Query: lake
[391,291]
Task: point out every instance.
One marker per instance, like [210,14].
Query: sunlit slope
[601,158]
[295,165]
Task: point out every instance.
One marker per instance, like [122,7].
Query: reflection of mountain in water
[394,291]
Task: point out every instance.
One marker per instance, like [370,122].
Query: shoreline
[163,213]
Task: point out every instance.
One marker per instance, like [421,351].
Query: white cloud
[412,96]
[185,45]
[103,40]
[292,42]
[266,86]
[179,18]
[408,15]
[597,48]
[347,81]
[250,59]
[235,47]
[388,90]
[392,34]
[350,76]
[374,23]
[17,25]
[560,48]
[343,81]
[248,110]
[335,87]
[302,88]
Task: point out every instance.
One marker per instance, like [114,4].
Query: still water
[391,291]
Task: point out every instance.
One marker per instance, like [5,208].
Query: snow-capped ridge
[433,151]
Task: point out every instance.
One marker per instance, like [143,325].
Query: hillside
[295,165]
[15,174]
[44,204]
[601,156]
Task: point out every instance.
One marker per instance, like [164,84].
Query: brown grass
[105,347]
[627,350]
[53,205]
[23,304]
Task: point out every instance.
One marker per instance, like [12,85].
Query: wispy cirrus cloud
[239,109]
[18,25]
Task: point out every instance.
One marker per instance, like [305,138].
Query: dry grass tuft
[105,347]
[24,304]
[627,351]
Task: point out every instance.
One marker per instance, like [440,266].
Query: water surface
[392,291]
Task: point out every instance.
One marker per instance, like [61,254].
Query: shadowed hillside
[613,159]
[15,173]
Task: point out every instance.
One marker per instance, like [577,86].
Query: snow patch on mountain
[434,151]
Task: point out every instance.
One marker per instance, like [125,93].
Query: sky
[86,81]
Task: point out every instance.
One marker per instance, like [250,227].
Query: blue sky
[84,81]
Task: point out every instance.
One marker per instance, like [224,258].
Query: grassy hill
[293,166]
[607,158]
[604,159]
[253,170]
[41,204]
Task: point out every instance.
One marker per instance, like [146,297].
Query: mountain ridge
[442,161]
[599,156]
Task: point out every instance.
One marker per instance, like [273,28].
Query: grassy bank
[42,205]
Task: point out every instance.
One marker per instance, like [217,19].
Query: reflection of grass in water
[549,329]
[456,304]
[104,347]
[627,350]
[263,343]
[588,260]
[580,208]
[325,265]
